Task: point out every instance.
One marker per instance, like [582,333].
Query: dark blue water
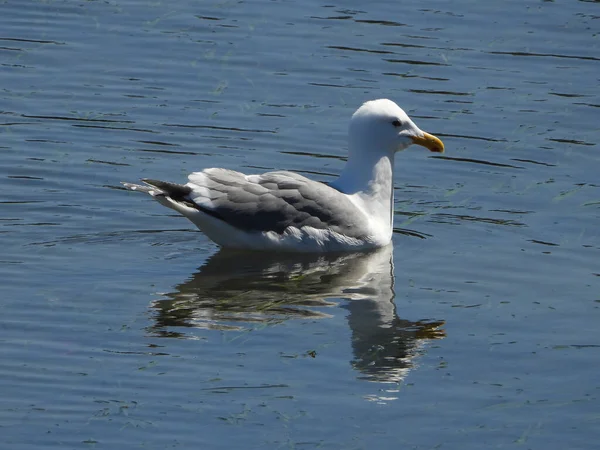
[124,327]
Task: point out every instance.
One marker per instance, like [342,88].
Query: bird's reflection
[234,290]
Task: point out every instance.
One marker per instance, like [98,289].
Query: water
[123,327]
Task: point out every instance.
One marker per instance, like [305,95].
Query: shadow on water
[234,291]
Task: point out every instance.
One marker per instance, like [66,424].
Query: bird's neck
[369,178]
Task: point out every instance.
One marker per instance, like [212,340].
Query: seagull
[288,212]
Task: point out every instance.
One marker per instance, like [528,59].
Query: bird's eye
[397,123]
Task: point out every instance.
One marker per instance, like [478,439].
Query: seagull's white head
[383,125]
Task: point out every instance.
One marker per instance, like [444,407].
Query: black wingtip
[173,190]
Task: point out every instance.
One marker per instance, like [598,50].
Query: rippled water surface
[124,327]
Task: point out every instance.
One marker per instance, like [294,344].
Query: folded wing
[274,201]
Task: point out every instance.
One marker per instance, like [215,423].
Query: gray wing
[274,201]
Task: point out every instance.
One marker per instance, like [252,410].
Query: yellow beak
[429,141]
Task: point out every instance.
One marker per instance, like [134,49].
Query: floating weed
[152,23]
[413,216]
[117,409]
[147,366]
[568,193]
[457,218]
[592,203]
[236,418]
[528,432]
[220,88]
[535,185]
[454,190]
[88,115]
